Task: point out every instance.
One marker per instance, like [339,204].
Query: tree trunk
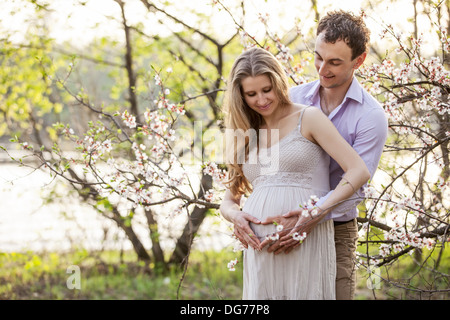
[194,221]
[132,236]
[157,251]
[129,66]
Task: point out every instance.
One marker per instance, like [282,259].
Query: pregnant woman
[281,161]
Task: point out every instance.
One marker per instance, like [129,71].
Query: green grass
[119,276]
[410,279]
[110,275]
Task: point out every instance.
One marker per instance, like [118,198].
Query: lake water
[28,222]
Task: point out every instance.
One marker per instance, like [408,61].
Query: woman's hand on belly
[244,232]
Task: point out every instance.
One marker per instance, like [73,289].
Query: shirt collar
[313,91]
[355,91]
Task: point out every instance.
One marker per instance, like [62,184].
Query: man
[341,48]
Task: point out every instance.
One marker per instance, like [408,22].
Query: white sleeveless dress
[284,177]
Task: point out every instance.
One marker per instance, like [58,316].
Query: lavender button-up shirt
[362,123]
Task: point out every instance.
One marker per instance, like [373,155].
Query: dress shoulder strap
[299,125]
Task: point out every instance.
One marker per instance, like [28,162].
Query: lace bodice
[293,161]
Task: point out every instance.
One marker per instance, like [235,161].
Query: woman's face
[259,94]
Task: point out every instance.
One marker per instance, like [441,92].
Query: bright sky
[70,21]
[79,24]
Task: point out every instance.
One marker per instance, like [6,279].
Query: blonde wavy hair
[239,116]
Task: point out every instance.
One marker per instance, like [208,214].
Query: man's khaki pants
[345,237]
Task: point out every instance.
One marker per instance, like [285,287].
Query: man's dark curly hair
[345,26]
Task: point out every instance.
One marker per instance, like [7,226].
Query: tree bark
[157,251]
[132,236]
[190,229]
[129,66]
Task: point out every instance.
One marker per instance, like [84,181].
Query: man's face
[334,63]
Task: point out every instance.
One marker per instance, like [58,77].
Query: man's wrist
[234,215]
